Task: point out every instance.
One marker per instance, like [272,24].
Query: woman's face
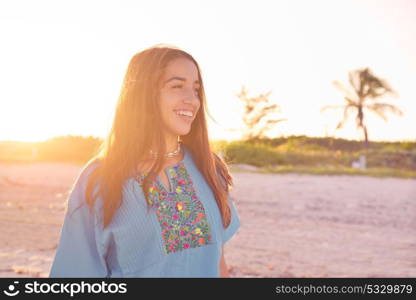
[179,100]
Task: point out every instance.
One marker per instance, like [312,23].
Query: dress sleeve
[80,252]
[234,224]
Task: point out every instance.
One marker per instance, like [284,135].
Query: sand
[291,225]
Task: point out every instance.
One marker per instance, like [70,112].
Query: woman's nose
[191,95]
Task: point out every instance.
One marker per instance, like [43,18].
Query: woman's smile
[185,115]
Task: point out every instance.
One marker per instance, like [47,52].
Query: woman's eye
[180,86]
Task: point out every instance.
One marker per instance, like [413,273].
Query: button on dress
[180,236]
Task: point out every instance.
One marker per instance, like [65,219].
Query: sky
[62,62]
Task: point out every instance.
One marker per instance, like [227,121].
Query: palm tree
[257,109]
[363,94]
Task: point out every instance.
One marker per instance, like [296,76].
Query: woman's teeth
[184,112]
[184,115]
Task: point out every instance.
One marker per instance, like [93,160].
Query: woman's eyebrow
[179,78]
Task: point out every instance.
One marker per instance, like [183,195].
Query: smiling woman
[154,201]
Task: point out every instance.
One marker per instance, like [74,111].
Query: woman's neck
[146,165]
[171,143]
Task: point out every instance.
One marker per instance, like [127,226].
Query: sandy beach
[291,225]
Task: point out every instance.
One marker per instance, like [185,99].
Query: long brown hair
[137,125]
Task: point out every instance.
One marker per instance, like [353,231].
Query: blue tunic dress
[181,236]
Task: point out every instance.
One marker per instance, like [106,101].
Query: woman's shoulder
[77,191]
[88,168]
[92,164]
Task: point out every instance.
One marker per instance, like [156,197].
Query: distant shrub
[300,151]
[258,155]
[260,152]
[68,148]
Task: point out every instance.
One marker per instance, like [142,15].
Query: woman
[135,213]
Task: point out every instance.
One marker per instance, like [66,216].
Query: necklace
[169,154]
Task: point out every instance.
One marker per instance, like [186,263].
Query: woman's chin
[182,130]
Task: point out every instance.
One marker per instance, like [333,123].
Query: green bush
[301,153]
[296,151]
[258,155]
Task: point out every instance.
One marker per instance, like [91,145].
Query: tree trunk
[365,137]
[363,158]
